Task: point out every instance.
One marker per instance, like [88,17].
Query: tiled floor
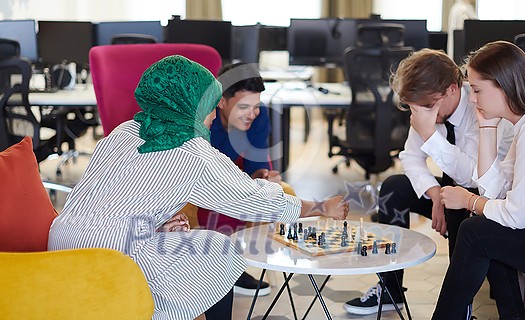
[311,176]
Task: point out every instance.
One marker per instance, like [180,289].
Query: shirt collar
[457,117]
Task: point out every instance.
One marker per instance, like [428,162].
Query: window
[269,12]
[501,9]
[429,10]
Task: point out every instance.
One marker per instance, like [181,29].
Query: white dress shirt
[504,182]
[459,161]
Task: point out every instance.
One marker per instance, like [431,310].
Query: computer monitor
[217,34]
[23,31]
[416,33]
[249,41]
[104,31]
[65,41]
[480,32]
[438,40]
[319,42]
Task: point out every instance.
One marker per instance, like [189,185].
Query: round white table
[260,250]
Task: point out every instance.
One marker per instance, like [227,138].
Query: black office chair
[519,40]
[375,35]
[376,129]
[133,38]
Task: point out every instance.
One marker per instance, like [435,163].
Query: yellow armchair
[73,284]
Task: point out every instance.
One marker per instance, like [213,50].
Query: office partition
[479,32]
[23,31]
[104,31]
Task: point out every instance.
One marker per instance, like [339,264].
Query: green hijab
[175,95]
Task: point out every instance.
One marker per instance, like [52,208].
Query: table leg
[285,284]
[291,298]
[318,293]
[381,299]
[400,287]
[256,294]
[315,298]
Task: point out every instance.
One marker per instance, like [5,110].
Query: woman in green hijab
[147,169]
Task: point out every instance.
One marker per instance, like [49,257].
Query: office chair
[133,38]
[17,117]
[375,129]
[116,71]
[374,35]
[519,40]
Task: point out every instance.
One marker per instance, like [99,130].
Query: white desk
[82,95]
[260,251]
[281,96]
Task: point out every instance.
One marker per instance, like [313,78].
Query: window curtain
[204,9]
[341,9]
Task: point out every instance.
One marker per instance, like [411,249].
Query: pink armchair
[116,71]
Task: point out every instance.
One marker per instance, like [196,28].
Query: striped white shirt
[124,196]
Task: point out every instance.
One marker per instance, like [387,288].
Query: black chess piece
[295,236]
[363,251]
[300,227]
[289,236]
[281,229]
[374,247]
[387,248]
[394,249]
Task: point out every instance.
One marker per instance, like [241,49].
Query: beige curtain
[341,9]
[204,9]
[346,8]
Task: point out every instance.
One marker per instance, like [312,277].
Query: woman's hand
[455,197]
[178,222]
[270,175]
[336,208]
[486,122]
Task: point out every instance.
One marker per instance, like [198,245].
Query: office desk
[82,95]
[279,96]
[282,96]
[260,251]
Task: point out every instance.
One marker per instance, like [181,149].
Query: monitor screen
[23,31]
[106,30]
[65,41]
[416,33]
[480,32]
[217,34]
[249,41]
[317,42]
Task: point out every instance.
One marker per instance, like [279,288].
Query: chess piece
[363,251]
[343,242]
[281,229]
[295,237]
[387,248]
[305,236]
[300,227]
[374,247]
[394,249]
[359,246]
[290,236]
[314,233]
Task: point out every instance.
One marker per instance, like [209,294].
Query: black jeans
[484,248]
[222,310]
[400,200]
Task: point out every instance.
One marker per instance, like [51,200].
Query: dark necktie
[451,138]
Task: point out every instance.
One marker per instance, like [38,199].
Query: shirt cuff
[491,182]
[293,209]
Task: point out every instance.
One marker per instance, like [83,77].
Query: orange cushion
[26,212]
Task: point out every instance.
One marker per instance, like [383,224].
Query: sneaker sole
[363,311]
[251,292]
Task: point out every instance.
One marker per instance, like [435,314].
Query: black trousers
[484,248]
[400,201]
[222,310]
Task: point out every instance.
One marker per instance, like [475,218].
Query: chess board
[332,240]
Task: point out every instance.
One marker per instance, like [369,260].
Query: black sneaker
[247,285]
[369,303]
